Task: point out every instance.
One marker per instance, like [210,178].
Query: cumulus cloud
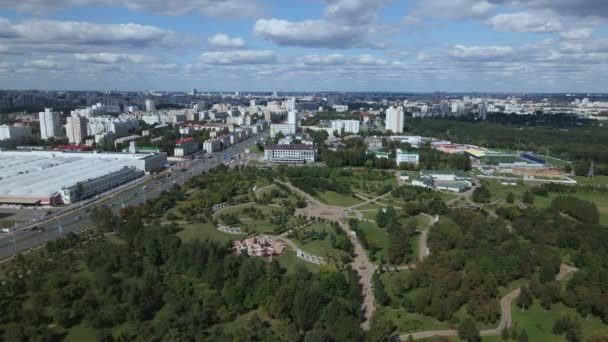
[524,22]
[110,58]
[577,33]
[56,32]
[480,52]
[309,33]
[238,57]
[225,41]
[574,8]
[454,9]
[215,8]
[346,24]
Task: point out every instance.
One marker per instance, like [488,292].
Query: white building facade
[394,119]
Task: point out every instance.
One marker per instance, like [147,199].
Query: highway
[79,219]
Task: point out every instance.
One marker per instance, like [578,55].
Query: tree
[504,334]
[481,195]
[524,300]
[468,331]
[510,197]
[381,331]
[523,337]
[528,197]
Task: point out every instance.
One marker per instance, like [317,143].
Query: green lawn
[408,322]
[321,248]
[377,238]
[336,199]
[204,231]
[370,214]
[597,180]
[292,264]
[539,323]
[369,206]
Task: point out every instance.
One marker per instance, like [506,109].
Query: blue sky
[305,45]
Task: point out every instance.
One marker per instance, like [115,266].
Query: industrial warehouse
[56,177]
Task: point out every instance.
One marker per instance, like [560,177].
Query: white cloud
[480,52]
[577,33]
[238,57]
[111,58]
[44,64]
[55,33]
[331,59]
[454,9]
[225,41]
[309,33]
[214,8]
[346,24]
[525,22]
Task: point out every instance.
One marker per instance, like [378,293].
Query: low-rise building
[185,147]
[290,154]
[407,157]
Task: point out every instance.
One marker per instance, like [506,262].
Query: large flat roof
[41,174]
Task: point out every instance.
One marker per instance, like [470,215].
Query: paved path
[361,264]
[505,318]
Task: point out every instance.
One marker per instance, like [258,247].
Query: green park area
[322,240]
[539,322]
[336,199]
[544,199]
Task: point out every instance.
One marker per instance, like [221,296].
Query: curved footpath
[505,320]
[361,264]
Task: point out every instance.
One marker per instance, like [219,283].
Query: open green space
[596,180]
[292,263]
[498,190]
[377,239]
[339,200]
[538,323]
[409,322]
[203,231]
[497,159]
[308,240]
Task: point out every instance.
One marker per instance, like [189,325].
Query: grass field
[407,321]
[539,323]
[336,199]
[377,238]
[321,248]
[597,180]
[292,264]
[204,231]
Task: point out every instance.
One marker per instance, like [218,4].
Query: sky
[305,45]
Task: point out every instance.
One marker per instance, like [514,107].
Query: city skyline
[332,45]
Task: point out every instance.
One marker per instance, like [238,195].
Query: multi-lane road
[79,219]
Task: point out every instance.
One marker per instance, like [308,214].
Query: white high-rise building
[150,106]
[349,126]
[50,124]
[76,129]
[15,133]
[394,119]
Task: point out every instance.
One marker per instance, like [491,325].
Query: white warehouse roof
[44,173]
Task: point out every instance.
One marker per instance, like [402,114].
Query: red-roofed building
[185,147]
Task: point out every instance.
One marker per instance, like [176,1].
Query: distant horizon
[501,46]
[245,92]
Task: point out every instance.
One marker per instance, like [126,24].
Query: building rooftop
[42,174]
[411,153]
[290,147]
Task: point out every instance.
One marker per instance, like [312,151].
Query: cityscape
[335,170]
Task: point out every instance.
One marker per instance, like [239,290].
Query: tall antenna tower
[590,174]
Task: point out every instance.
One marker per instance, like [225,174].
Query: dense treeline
[581,210]
[579,144]
[143,283]
[469,260]
[587,290]
[315,179]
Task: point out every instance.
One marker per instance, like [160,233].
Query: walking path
[361,264]
[505,319]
